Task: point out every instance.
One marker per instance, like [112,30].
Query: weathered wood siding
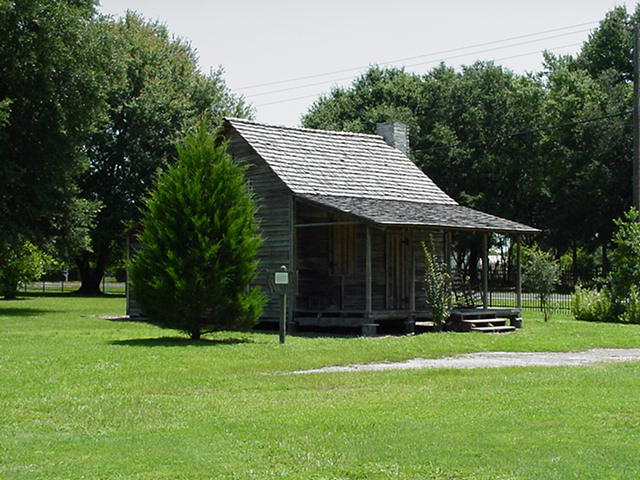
[274,216]
[327,287]
[330,260]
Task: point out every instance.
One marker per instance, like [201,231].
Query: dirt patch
[496,360]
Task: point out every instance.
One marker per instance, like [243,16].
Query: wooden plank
[502,329]
[518,274]
[412,272]
[367,274]
[485,270]
[325,224]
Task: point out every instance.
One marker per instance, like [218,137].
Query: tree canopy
[159,92]
[54,66]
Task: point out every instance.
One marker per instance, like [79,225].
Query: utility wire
[435,61]
[441,52]
[306,85]
[525,132]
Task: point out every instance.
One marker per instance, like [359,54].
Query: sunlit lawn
[83,397]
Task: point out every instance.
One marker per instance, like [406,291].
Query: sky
[268,47]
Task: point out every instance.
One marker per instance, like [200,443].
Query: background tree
[19,264]
[161,91]
[199,243]
[54,68]
[540,274]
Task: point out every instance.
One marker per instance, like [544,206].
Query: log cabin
[346,213]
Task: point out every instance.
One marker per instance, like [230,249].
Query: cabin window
[343,251]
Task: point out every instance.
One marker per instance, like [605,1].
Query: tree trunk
[91,276]
[195,334]
[10,294]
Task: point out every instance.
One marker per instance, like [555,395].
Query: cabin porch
[357,274]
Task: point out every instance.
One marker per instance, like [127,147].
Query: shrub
[631,313]
[437,285]
[619,299]
[541,273]
[19,264]
[591,305]
[625,257]
[198,245]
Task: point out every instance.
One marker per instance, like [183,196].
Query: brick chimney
[395,134]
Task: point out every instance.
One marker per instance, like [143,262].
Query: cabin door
[398,255]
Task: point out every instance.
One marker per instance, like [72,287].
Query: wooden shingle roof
[363,176]
[394,212]
[345,164]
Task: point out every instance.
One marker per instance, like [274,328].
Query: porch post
[367,273]
[518,274]
[412,256]
[447,251]
[447,260]
[293,266]
[485,270]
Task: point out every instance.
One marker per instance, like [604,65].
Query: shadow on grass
[23,312]
[69,295]
[179,342]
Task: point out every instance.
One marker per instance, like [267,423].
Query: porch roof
[399,212]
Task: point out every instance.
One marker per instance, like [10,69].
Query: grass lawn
[82,397]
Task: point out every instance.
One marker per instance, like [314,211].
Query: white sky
[259,42]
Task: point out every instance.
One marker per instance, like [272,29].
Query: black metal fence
[529,301]
[502,293]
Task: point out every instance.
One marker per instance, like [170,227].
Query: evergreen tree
[199,243]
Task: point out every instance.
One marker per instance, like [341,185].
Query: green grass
[82,397]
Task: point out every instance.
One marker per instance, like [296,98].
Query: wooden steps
[484,321]
[494,329]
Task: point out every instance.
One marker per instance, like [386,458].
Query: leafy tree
[541,274]
[619,299]
[625,256]
[54,67]
[379,95]
[20,263]
[160,92]
[199,243]
[610,45]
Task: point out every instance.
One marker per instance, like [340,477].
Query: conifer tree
[198,244]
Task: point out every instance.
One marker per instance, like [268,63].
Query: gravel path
[496,360]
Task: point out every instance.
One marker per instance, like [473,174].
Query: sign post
[281,281]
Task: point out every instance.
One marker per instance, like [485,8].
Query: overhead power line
[306,85]
[286,100]
[525,132]
[441,52]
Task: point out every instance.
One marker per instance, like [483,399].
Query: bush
[20,264]
[198,245]
[625,257]
[541,274]
[631,313]
[437,285]
[591,305]
[619,299]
